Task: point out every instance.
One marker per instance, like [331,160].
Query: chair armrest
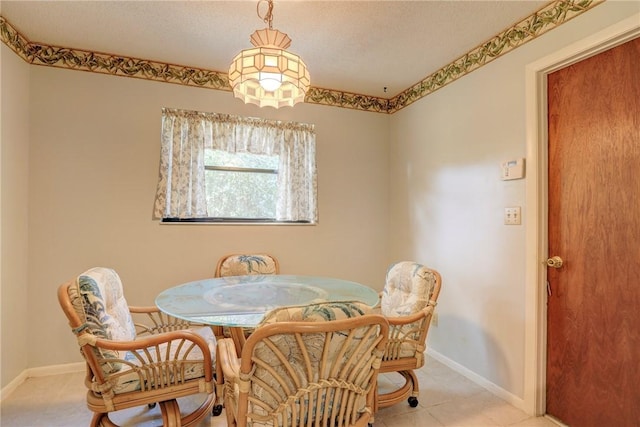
[408,334]
[143,309]
[157,339]
[227,359]
[150,320]
[147,351]
[182,336]
[112,362]
[405,320]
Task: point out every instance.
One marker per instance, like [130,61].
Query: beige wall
[422,184]
[448,203]
[14,181]
[94,158]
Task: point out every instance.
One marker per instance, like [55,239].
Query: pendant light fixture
[267,75]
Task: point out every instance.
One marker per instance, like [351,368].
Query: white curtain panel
[186,134]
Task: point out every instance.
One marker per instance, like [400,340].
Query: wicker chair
[247,264]
[243,265]
[407,301]
[309,365]
[155,360]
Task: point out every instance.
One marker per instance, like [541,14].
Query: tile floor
[446,399]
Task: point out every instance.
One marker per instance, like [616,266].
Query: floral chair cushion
[317,312]
[242,265]
[407,290]
[99,301]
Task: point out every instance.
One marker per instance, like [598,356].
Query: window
[241,185]
[218,167]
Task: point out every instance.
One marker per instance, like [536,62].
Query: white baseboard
[42,371]
[480,380]
[67,368]
[13,385]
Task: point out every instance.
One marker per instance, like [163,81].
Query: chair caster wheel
[413,401]
[217,410]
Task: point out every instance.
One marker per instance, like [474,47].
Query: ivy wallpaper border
[545,19]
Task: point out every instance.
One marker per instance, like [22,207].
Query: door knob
[555,262]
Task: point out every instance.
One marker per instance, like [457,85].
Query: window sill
[222,221]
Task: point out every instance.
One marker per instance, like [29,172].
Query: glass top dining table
[242,301]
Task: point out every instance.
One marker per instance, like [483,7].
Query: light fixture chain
[268,17]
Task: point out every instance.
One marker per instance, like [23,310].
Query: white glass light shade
[268,75]
[270,81]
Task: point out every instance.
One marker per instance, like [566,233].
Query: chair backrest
[94,302]
[311,363]
[408,299]
[247,264]
[409,288]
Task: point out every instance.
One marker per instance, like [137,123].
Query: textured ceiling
[352,46]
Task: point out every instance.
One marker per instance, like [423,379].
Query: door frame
[536,227]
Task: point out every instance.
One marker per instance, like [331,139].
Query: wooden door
[593,336]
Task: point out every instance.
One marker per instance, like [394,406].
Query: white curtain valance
[185,136]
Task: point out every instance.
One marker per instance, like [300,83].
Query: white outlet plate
[512,215]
